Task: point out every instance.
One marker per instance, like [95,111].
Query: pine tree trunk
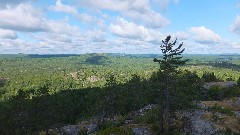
[161,128]
[166,112]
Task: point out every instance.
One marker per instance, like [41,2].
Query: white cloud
[236,25]
[96,36]
[5,3]
[13,46]
[123,28]
[115,5]
[23,17]
[204,35]
[61,27]
[135,9]
[7,34]
[83,17]
[126,29]
[164,3]
[59,7]
[49,37]
[150,18]
[25,28]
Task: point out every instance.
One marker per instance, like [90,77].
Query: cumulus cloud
[5,3]
[83,17]
[123,28]
[59,7]
[236,45]
[96,35]
[61,27]
[23,17]
[7,34]
[126,29]
[204,35]
[150,18]
[135,9]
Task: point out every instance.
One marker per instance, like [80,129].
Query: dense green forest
[39,92]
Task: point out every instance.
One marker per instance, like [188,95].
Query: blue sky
[118,26]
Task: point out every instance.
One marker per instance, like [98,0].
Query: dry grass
[225,103]
[224,121]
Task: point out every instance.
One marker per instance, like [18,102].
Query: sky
[118,26]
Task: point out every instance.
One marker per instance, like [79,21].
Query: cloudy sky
[118,26]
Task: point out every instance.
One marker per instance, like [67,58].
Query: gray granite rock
[237,113]
[195,125]
[70,130]
[91,128]
[141,131]
[202,105]
[237,102]
[220,84]
[143,110]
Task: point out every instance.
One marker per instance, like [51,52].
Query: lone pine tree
[168,64]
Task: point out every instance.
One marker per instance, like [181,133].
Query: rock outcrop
[220,84]
[69,130]
[195,124]
[141,131]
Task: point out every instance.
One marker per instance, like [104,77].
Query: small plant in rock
[116,131]
[215,117]
[226,131]
[222,110]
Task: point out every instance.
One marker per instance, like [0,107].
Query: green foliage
[171,59]
[109,124]
[98,59]
[171,91]
[209,77]
[222,110]
[48,91]
[215,117]
[63,73]
[116,131]
[24,115]
[151,117]
[226,131]
[188,88]
[220,93]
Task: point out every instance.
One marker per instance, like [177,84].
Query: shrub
[226,131]
[220,93]
[116,131]
[222,110]
[151,117]
[209,77]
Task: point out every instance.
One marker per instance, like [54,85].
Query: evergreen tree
[168,64]
[209,77]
